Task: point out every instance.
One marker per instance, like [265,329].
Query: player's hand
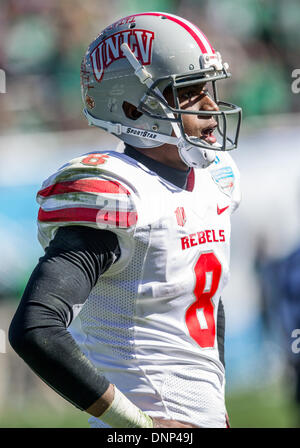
[162,423]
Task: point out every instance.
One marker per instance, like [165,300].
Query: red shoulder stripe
[84,186]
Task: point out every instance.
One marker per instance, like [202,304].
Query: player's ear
[131,111]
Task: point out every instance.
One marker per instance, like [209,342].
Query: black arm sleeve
[64,276]
[221,331]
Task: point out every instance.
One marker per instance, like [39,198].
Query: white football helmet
[132,62]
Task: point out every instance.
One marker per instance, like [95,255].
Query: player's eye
[194,93]
[188,95]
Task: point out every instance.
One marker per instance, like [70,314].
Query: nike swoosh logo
[221,210]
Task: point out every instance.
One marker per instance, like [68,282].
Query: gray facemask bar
[178,81]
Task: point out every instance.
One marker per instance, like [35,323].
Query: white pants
[186,394]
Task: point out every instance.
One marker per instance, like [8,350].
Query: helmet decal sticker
[109,49]
[90,102]
[123,21]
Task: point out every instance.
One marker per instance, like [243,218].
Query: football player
[122,315]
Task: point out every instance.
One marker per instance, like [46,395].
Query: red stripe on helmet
[184,25]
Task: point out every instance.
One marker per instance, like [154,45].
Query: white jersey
[150,322]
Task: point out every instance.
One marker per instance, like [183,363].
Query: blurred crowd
[42,44]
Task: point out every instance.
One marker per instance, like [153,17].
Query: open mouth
[207,135]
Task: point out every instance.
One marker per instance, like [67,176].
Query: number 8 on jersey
[200,315]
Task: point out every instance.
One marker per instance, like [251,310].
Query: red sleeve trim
[114,218]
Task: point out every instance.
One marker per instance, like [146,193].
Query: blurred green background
[42,44]
[41,127]
[267,408]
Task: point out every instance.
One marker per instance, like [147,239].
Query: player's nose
[209,104]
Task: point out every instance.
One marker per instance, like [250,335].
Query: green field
[269,407]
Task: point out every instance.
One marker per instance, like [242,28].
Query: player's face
[194,98]
[197,98]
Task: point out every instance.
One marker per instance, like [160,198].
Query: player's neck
[165,154]
[174,175]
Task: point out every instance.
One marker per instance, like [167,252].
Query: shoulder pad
[226,175]
[87,191]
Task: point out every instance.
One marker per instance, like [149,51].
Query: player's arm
[63,278]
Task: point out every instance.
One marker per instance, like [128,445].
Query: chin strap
[118,129]
[192,155]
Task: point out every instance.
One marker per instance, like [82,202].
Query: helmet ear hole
[168,94]
[131,111]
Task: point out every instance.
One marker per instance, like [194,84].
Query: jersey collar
[172,175]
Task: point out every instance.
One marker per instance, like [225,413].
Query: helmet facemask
[152,99]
